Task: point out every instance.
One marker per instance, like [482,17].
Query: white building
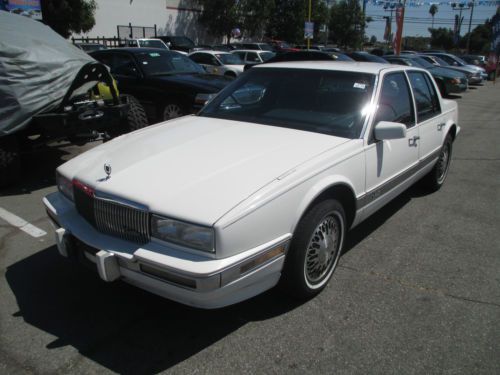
[171,17]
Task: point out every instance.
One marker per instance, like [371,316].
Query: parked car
[89,47]
[448,80]
[219,62]
[261,187]
[282,46]
[51,91]
[478,60]
[473,75]
[167,83]
[305,55]
[257,46]
[179,43]
[458,62]
[253,56]
[366,57]
[146,43]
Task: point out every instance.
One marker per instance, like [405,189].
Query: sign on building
[28,8]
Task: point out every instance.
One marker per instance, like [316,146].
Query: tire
[436,177]
[10,161]
[171,110]
[136,115]
[315,250]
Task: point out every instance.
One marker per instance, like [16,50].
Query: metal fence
[132,32]
[108,42]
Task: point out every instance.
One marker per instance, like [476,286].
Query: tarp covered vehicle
[50,90]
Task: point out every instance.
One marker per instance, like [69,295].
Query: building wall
[172,17]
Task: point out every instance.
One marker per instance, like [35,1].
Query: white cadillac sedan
[259,188]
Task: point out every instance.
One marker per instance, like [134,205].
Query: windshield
[422,63]
[229,59]
[165,63]
[321,101]
[152,44]
[182,41]
[460,61]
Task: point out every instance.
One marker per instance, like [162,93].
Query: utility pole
[471,4]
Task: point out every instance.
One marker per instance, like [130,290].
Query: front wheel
[436,177]
[315,250]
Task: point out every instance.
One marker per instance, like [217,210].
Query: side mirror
[389,130]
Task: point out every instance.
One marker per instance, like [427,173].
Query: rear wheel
[172,110]
[436,177]
[315,250]
[10,161]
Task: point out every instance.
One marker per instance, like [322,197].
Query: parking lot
[417,289]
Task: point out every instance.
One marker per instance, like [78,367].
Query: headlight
[202,99]
[455,81]
[65,186]
[182,233]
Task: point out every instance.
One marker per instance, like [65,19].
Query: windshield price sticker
[154,54]
[358,85]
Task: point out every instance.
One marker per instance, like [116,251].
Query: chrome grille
[122,221]
[111,217]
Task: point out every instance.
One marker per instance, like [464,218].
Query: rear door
[430,119]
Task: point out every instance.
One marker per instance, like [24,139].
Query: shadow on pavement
[122,328]
[38,168]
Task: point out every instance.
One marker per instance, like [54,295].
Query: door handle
[441,126]
[412,142]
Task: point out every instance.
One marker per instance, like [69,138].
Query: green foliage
[373,39]
[480,39]
[432,11]
[347,23]
[222,16]
[441,38]
[69,16]
[288,17]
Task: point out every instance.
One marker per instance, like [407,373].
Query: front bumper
[193,280]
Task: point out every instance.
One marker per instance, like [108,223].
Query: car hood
[196,168]
[200,81]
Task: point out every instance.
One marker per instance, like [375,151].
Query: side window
[425,96]
[198,58]
[395,102]
[253,57]
[124,65]
[105,58]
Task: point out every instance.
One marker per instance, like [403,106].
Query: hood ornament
[107,170]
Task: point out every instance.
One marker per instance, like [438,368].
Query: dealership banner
[28,8]
[400,16]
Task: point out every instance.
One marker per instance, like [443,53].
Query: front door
[390,162]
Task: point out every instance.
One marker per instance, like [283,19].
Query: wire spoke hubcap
[444,160]
[322,249]
[171,111]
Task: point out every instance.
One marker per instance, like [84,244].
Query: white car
[218,62]
[253,56]
[260,187]
[146,43]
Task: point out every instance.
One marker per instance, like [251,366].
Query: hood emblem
[107,170]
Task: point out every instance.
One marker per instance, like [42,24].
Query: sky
[418,19]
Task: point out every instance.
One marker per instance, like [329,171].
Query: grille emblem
[107,169]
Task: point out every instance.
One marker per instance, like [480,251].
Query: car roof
[135,50]
[211,52]
[251,50]
[348,66]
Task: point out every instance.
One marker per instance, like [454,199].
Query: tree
[222,16]
[441,38]
[373,39]
[69,16]
[433,10]
[288,17]
[347,23]
[480,38]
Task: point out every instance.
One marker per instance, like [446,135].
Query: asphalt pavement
[417,290]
